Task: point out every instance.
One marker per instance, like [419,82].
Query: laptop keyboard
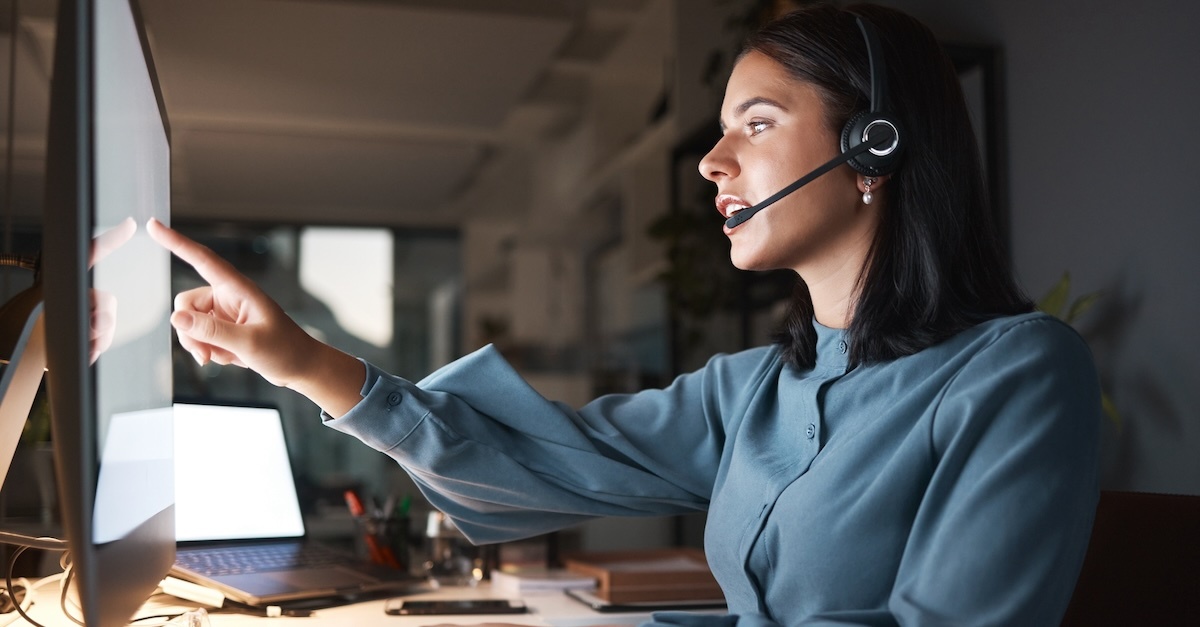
[236,560]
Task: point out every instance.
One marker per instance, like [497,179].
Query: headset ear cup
[869,163]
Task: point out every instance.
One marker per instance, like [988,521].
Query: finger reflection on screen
[103,305]
[103,317]
[108,241]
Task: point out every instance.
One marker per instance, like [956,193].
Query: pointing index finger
[207,264]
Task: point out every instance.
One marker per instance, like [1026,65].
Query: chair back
[1143,562]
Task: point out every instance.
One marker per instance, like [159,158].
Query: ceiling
[359,111]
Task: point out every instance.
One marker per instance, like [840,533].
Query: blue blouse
[955,486]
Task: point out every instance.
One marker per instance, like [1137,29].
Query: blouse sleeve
[506,463]
[1001,532]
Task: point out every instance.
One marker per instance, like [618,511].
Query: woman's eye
[757,127]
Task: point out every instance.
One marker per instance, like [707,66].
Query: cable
[65,601]
[44,542]
[23,543]
[47,580]
[31,592]
[24,603]
[8,584]
[265,611]
[64,561]
[198,616]
[63,598]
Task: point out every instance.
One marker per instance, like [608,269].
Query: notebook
[235,493]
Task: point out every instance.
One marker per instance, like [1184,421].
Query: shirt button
[810,431]
[843,347]
[394,399]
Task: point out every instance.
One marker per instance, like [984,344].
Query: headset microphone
[746,214]
[870,139]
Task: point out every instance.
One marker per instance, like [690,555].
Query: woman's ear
[876,182]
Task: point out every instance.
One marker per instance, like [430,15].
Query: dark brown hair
[936,265]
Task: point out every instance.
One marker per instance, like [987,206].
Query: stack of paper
[517,582]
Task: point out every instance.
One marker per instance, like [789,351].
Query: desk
[549,608]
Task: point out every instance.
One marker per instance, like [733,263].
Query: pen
[266,611]
[354,504]
[379,554]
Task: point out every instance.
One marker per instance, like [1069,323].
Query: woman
[916,448]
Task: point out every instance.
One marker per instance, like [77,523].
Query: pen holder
[396,535]
[450,558]
[387,541]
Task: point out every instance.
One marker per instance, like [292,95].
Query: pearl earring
[867,196]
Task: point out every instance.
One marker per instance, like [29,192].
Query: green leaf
[1110,409]
[1054,300]
[1053,303]
[1082,305]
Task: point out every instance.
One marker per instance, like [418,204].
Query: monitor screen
[107,303]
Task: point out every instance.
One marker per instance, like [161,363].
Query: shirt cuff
[370,378]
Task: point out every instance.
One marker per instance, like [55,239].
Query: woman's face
[774,132]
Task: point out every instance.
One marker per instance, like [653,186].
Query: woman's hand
[232,321]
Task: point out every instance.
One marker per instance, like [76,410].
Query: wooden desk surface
[547,609]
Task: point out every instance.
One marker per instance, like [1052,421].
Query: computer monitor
[107,174]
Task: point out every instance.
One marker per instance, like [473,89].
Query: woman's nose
[718,163]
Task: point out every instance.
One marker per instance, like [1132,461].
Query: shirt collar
[833,348]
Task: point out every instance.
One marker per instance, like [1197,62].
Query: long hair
[935,267]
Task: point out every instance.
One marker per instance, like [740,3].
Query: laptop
[235,495]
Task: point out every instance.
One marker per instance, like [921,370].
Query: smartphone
[426,607]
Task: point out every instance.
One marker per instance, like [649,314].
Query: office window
[350,270]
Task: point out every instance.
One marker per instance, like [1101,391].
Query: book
[649,575]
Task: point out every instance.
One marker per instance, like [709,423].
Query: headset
[871,140]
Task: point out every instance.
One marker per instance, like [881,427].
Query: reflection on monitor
[107,303]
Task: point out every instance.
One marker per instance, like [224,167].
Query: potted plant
[1058,303]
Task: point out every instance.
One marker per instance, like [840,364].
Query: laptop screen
[233,478]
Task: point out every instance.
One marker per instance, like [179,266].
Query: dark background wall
[1101,158]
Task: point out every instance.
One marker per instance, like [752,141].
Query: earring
[867,196]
